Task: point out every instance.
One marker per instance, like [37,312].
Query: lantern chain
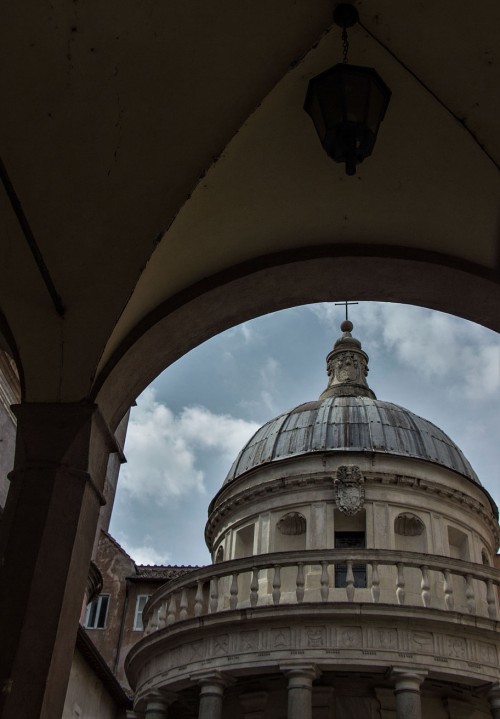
[345,45]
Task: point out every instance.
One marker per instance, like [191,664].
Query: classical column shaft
[211,696]
[300,681]
[156,709]
[407,692]
[46,539]
[494,699]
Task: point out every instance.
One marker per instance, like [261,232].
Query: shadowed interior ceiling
[158,146]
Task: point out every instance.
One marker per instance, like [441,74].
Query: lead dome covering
[350,424]
[349,418]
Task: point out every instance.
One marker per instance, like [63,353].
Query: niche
[459,544]
[243,546]
[410,533]
[290,533]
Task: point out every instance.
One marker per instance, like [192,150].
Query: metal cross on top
[346,303]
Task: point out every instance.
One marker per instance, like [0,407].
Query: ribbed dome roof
[350,424]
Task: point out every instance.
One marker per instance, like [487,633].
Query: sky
[191,422]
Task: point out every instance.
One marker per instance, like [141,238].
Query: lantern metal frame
[347,103]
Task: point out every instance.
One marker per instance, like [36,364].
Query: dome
[350,424]
[349,418]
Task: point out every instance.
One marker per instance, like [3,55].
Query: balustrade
[219,587]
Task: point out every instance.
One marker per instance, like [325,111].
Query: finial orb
[346,326]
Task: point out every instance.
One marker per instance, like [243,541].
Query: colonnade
[406,691]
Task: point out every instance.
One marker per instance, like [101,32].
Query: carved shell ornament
[293,523]
[409,525]
[349,489]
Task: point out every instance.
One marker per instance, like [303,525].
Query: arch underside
[283,280]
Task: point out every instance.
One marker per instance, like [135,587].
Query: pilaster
[46,540]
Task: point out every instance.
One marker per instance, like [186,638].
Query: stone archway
[284,280]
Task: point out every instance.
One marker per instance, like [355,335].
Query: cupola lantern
[347,103]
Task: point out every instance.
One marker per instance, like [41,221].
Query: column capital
[212,682]
[407,680]
[305,672]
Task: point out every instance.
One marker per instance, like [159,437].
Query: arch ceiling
[160,152]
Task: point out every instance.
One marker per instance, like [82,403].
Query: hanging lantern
[347,103]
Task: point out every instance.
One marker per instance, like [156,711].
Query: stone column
[494,700]
[212,685]
[300,679]
[46,538]
[407,691]
[157,705]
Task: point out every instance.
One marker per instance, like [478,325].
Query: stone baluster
[172,610]
[233,592]
[212,685]
[277,585]
[325,582]
[349,582]
[400,585]
[494,700]
[183,614]
[198,600]
[470,594]
[407,691]
[214,594]
[299,583]
[375,589]
[162,615]
[491,599]
[153,622]
[448,590]
[300,679]
[254,587]
[425,586]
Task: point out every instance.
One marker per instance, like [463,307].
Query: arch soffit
[283,280]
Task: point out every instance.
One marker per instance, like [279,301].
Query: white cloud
[144,553]
[267,393]
[245,331]
[162,448]
[204,429]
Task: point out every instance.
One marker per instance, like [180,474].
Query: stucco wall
[87,697]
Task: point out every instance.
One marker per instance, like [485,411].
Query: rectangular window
[97,612]
[139,606]
[350,540]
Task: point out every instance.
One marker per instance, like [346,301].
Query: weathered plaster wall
[87,697]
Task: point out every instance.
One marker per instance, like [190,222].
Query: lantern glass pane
[357,96]
[330,94]
[315,111]
[376,108]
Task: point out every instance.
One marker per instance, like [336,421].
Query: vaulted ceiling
[160,152]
